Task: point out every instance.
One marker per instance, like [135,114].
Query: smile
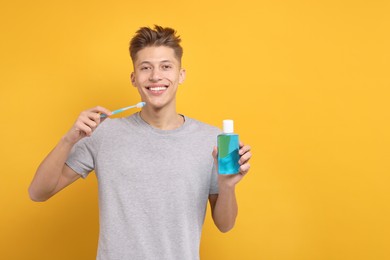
[157,89]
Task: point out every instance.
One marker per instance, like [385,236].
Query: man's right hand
[86,123]
[53,174]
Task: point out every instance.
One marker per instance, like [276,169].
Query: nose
[154,75]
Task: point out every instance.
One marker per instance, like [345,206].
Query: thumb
[215,153]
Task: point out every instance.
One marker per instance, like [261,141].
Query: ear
[182,76]
[132,78]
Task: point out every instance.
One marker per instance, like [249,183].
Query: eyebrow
[148,62]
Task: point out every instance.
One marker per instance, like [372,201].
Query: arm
[224,205]
[53,174]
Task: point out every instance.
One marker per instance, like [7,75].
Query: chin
[155,105]
[160,104]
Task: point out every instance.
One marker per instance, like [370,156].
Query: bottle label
[228,146]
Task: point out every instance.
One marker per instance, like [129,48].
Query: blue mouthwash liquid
[228,146]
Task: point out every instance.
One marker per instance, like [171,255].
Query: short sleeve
[81,157]
[214,181]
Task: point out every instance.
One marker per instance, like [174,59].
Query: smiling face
[157,74]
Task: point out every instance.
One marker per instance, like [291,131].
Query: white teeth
[158,88]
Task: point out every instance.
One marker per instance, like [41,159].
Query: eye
[145,68]
[166,67]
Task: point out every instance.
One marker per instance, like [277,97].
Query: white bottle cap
[228,126]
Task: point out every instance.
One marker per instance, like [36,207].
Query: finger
[89,118]
[91,123]
[101,110]
[89,115]
[244,149]
[245,158]
[95,117]
[83,128]
[215,153]
[245,168]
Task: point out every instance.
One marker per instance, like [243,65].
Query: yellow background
[307,83]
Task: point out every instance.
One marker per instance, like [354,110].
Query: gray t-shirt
[153,186]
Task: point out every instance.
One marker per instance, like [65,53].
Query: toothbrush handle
[117,111]
[121,110]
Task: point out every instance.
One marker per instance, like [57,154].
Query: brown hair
[160,36]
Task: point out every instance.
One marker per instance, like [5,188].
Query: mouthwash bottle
[228,146]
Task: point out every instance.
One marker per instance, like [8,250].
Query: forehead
[155,54]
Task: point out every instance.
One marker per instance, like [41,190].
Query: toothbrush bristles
[141,104]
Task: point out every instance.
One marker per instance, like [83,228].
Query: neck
[164,119]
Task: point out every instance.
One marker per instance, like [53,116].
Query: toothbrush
[139,105]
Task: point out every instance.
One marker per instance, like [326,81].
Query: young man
[154,168]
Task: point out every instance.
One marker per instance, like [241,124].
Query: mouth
[157,89]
